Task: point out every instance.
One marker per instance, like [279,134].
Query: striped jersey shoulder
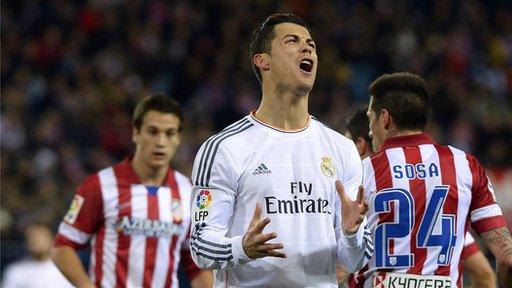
[180,176]
[209,150]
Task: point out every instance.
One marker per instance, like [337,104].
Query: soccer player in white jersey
[135,213]
[279,170]
[475,262]
[423,195]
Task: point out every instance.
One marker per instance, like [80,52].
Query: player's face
[293,59]
[157,139]
[377,131]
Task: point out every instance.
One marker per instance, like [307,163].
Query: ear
[386,119]
[135,135]
[261,61]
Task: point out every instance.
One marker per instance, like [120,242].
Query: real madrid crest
[328,167]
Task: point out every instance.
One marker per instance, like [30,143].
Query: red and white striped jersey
[422,198]
[470,247]
[138,233]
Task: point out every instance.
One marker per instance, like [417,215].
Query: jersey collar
[408,140]
[253,117]
[126,171]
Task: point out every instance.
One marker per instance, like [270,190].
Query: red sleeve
[84,215]
[469,250]
[188,264]
[485,214]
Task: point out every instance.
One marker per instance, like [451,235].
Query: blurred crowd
[72,71]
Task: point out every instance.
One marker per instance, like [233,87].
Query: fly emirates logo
[301,201]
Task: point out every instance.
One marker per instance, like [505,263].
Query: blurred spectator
[36,270]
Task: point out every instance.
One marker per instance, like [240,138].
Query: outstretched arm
[499,242]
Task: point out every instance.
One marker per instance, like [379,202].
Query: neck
[149,175]
[283,109]
[42,257]
[397,133]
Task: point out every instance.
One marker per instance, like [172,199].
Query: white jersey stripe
[181,182]
[429,152]
[73,234]
[136,256]
[485,212]
[463,176]
[163,245]
[396,156]
[110,192]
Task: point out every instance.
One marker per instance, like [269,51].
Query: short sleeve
[84,215]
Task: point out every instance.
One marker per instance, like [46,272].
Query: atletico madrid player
[135,213]
[423,195]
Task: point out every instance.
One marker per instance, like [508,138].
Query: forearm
[499,242]
[69,264]
[212,250]
[479,270]
[354,251]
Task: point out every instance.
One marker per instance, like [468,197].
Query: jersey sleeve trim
[61,240]
[208,249]
[485,212]
[490,223]
[73,234]
[240,258]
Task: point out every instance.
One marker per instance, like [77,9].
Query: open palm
[352,212]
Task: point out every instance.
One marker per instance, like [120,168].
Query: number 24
[425,236]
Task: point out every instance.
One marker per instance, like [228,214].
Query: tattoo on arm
[499,242]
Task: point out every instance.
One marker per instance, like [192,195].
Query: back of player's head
[358,125]
[404,95]
[262,37]
[157,102]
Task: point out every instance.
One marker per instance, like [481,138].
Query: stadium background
[72,71]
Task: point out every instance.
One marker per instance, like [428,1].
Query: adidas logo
[262,169]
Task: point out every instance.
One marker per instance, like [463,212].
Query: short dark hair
[404,95]
[262,37]
[158,102]
[358,125]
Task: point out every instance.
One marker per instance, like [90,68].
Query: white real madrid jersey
[292,176]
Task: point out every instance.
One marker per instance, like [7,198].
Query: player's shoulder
[230,137]
[91,182]
[459,154]
[336,137]
[181,178]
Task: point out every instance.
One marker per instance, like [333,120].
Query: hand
[254,242]
[86,285]
[352,212]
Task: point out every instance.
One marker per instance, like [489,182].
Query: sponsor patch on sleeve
[74,209]
[203,202]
